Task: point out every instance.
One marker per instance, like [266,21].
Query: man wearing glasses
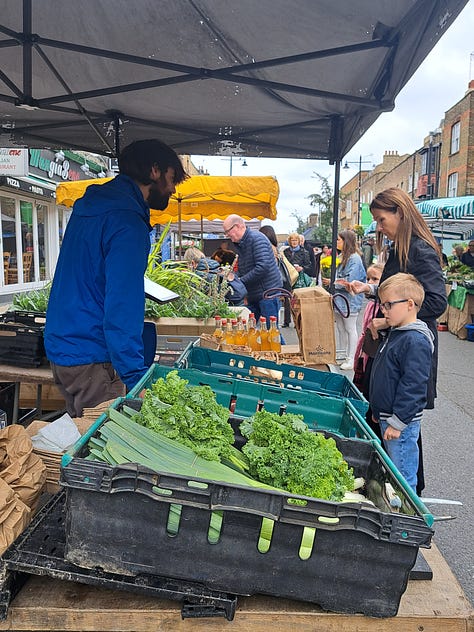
[257,266]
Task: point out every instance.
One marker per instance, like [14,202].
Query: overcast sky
[439,83]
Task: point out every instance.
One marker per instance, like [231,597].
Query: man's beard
[156,198]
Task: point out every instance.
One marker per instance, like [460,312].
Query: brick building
[442,167]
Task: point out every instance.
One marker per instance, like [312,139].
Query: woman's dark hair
[137,159]
[225,257]
[269,232]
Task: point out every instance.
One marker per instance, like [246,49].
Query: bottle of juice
[229,334]
[274,335]
[253,339]
[241,335]
[218,333]
[264,340]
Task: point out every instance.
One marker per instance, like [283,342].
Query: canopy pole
[335,222]
[202,233]
[180,239]
[335,157]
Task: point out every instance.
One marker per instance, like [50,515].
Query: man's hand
[391,433]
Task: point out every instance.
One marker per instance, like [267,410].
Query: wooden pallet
[48,604]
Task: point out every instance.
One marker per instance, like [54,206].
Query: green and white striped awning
[448,208]
[449,218]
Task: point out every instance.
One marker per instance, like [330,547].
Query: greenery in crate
[34,300]
[198,297]
[281,453]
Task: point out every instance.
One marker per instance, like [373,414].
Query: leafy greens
[283,452]
[189,414]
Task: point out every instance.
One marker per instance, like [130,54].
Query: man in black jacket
[257,266]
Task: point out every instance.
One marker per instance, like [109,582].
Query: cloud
[440,81]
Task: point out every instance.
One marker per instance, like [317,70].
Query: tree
[323,202]
[302,224]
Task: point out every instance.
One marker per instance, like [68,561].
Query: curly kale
[283,452]
[188,414]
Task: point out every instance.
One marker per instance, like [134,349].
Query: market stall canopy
[210,197]
[300,79]
[450,218]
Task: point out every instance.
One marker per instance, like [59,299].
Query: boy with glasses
[401,371]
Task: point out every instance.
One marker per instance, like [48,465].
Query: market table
[460,311]
[32,375]
[50,604]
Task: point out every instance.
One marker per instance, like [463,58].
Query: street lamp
[242,160]
[359,162]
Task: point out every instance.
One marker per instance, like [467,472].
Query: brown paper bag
[20,468]
[14,516]
[314,322]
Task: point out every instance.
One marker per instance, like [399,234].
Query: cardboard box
[184,326]
[314,321]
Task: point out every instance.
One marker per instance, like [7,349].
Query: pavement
[448,445]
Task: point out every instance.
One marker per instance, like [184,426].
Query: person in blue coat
[350,269]
[257,266]
[95,315]
[401,372]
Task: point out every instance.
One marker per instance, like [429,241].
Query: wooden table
[37,376]
[49,604]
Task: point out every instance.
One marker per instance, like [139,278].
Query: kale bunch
[283,452]
[188,414]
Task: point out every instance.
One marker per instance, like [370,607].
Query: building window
[349,209]
[455,133]
[453,185]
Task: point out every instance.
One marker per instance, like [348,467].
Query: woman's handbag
[369,345]
[285,275]
[303,280]
[292,271]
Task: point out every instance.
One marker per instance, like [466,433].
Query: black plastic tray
[39,550]
[360,560]
[21,340]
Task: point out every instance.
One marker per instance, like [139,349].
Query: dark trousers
[87,385]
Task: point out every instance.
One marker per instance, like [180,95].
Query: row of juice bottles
[257,336]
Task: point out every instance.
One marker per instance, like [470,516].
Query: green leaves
[283,452]
[188,414]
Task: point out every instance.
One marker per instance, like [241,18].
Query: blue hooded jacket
[96,307]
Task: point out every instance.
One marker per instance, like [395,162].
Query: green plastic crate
[289,375]
[320,412]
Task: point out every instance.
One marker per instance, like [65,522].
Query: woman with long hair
[351,268]
[414,251]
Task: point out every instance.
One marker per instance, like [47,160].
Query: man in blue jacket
[257,266]
[94,321]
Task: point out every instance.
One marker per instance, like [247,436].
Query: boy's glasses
[387,306]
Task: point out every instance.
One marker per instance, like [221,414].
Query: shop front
[32,225]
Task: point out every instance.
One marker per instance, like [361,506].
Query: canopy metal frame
[371,48]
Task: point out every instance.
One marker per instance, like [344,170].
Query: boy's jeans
[404,451]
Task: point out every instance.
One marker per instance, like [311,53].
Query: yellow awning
[210,197]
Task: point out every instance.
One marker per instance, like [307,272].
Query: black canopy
[298,79]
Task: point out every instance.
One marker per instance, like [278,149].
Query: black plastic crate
[21,343]
[30,318]
[358,560]
[39,550]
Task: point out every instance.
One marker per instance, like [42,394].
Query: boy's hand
[391,433]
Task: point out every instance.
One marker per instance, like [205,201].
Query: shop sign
[28,187]
[55,166]
[13,162]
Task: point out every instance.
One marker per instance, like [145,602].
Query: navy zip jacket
[400,374]
[96,308]
[424,264]
[258,269]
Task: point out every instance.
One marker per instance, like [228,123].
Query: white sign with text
[13,162]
